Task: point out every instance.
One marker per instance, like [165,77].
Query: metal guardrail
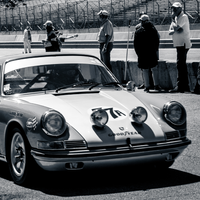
[164,43]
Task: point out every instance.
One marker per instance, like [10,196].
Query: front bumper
[126,155]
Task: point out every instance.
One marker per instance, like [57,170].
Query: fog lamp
[138,115]
[99,118]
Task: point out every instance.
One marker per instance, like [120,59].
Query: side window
[14,81]
[19,80]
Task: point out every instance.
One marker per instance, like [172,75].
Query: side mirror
[130,86]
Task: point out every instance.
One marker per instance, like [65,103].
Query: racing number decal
[114,113]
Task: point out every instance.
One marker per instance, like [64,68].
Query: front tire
[19,158]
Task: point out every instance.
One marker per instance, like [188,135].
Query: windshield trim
[48,60]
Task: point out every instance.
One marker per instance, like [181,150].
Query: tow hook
[128,140]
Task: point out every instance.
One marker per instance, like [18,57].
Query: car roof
[35,55]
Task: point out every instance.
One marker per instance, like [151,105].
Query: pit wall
[119,35]
[167,73]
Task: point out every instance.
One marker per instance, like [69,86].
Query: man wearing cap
[146,44]
[52,40]
[142,86]
[180,31]
[105,38]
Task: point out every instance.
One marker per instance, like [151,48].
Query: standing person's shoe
[157,87]
[141,86]
[176,89]
[146,90]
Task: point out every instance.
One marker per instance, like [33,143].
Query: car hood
[77,107]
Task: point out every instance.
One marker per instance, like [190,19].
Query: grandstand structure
[15,15]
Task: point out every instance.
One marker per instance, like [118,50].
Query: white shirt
[106,29]
[183,38]
[27,37]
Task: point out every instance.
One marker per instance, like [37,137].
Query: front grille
[73,145]
[172,135]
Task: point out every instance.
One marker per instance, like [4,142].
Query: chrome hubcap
[18,154]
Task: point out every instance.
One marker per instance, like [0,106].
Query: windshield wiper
[94,85]
[64,87]
[80,83]
[112,83]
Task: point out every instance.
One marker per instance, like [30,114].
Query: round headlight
[138,115]
[99,118]
[175,113]
[53,123]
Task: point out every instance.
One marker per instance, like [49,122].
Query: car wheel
[18,157]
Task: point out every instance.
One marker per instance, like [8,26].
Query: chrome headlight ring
[138,115]
[175,113]
[53,123]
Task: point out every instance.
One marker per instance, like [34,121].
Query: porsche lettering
[16,114]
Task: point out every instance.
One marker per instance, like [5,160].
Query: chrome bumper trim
[162,146]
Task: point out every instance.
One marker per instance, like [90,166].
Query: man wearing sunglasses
[180,31]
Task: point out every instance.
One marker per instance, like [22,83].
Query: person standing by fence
[142,86]
[180,31]
[27,40]
[105,38]
[146,44]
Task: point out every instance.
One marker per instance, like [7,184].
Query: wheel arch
[8,134]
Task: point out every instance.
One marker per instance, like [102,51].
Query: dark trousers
[150,79]
[182,77]
[105,57]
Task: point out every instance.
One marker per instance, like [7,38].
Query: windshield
[24,78]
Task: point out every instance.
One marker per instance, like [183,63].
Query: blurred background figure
[27,39]
[51,43]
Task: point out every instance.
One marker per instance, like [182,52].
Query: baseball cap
[144,18]
[177,5]
[48,23]
[103,12]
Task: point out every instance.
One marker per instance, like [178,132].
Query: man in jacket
[180,31]
[105,38]
[146,44]
[142,86]
[52,39]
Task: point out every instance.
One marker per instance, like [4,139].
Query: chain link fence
[82,14]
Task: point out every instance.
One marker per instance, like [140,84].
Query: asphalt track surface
[180,182]
[118,54]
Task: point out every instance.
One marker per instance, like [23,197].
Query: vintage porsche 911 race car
[68,112]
